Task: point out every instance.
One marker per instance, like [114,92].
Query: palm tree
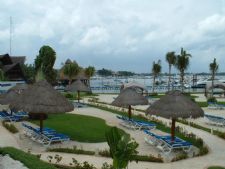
[171,59]
[213,67]
[182,64]
[89,72]
[156,69]
[71,70]
[122,148]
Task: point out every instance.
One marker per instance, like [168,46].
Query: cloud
[128,34]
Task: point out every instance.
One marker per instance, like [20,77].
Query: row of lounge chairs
[46,137]
[12,118]
[164,143]
[135,124]
[216,106]
[215,120]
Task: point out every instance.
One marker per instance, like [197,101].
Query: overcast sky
[116,34]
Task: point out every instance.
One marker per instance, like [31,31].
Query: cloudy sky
[116,34]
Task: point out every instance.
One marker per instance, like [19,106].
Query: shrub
[10,127]
[180,157]
[73,150]
[148,158]
[203,150]
[68,95]
[153,94]
[107,166]
[212,99]
[104,153]
[30,161]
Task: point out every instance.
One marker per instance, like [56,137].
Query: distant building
[11,66]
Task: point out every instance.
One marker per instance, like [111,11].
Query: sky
[116,34]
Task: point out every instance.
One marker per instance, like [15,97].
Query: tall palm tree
[171,59]
[182,64]
[213,67]
[156,69]
[71,70]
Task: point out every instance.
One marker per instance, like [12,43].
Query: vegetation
[2,76]
[29,72]
[78,127]
[10,127]
[45,62]
[156,69]
[71,69]
[171,59]
[122,148]
[216,167]
[73,150]
[30,161]
[213,67]
[182,64]
[89,71]
[105,72]
[212,99]
[125,73]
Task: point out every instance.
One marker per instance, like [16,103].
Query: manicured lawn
[30,161]
[78,127]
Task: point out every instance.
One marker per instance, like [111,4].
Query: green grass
[30,161]
[216,167]
[79,127]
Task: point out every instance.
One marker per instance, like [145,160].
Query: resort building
[11,66]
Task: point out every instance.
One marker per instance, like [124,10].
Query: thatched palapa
[8,97]
[129,97]
[175,105]
[42,98]
[78,87]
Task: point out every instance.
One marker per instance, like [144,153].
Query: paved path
[7,138]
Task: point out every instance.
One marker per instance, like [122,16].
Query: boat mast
[10,36]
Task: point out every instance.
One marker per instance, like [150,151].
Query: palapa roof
[41,97]
[134,85]
[77,86]
[8,97]
[19,87]
[128,97]
[175,105]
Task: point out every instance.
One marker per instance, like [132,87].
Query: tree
[122,148]
[171,59]
[71,70]
[156,69]
[213,67]
[29,72]
[105,72]
[45,61]
[89,71]
[182,64]
[2,75]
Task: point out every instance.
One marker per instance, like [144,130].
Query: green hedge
[73,150]
[29,160]
[10,127]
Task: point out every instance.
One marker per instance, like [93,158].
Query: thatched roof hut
[129,97]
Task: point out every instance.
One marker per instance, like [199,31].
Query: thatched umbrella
[41,98]
[175,105]
[19,87]
[8,97]
[79,87]
[129,97]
